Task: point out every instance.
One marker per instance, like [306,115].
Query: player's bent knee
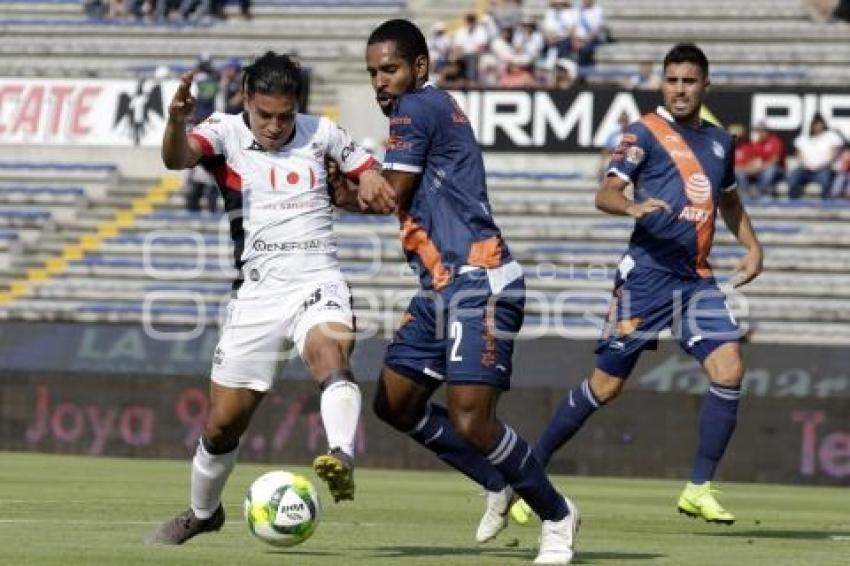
[605,387]
[474,429]
[218,440]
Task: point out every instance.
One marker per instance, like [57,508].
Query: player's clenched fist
[183,103]
[375,193]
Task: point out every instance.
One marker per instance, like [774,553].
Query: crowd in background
[162,10]
[506,48]
[822,156]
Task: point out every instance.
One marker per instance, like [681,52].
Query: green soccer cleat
[337,469]
[698,501]
[520,512]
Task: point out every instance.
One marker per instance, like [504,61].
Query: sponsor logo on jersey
[314,298]
[218,356]
[718,149]
[678,154]
[698,188]
[398,143]
[348,150]
[693,214]
[289,247]
[635,155]
[400,121]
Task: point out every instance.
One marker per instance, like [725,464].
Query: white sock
[340,407]
[209,474]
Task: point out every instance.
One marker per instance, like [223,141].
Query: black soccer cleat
[184,526]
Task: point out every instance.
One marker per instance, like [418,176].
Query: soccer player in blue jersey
[459,328]
[682,171]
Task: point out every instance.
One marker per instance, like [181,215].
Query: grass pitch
[67,510]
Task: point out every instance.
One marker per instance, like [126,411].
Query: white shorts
[259,331]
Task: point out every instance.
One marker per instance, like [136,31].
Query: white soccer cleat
[558,538]
[496,516]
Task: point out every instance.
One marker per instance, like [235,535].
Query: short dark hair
[273,73]
[687,53]
[407,37]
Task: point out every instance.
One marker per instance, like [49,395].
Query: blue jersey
[687,168]
[448,223]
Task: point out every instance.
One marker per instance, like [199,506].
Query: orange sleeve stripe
[486,253]
[688,166]
[415,239]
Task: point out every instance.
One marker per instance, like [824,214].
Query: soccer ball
[282,508]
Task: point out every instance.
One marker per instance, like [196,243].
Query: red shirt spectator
[745,153]
[768,146]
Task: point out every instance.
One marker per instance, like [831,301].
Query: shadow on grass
[780,534]
[291,552]
[601,557]
[504,552]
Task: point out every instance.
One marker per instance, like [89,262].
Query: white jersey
[281,197]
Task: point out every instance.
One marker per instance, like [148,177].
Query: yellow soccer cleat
[698,501]
[520,512]
[337,469]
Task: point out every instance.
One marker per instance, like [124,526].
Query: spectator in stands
[470,41]
[502,55]
[200,185]
[217,9]
[745,156]
[207,84]
[842,11]
[841,183]
[591,30]
[612,143]
[453,74]
[230,89]
[820,10]
[566,74]
[559,27]
[645,79]
[816,152]
[528,42]
[505,13]
[439,47]
[117,9]
[770,151]
[517,76]
[95,9]
[196,9]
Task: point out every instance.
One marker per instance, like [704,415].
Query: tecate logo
[698,188]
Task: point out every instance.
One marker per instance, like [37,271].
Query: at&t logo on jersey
[694,214]
[698,188]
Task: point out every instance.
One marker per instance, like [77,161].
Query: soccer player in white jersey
[290,290]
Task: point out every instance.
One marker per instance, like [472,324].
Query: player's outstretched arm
[610,199]
[178,150]
[738,221]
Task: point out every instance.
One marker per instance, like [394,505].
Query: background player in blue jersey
[682,170]
[459,328]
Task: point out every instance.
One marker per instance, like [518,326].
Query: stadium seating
[173,266]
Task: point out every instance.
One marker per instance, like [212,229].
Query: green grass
[65,510]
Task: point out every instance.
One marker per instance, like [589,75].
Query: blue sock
[717,420]
[436,432]
[574,409]
[512,456]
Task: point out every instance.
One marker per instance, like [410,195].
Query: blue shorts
[646,302]
[462,334]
